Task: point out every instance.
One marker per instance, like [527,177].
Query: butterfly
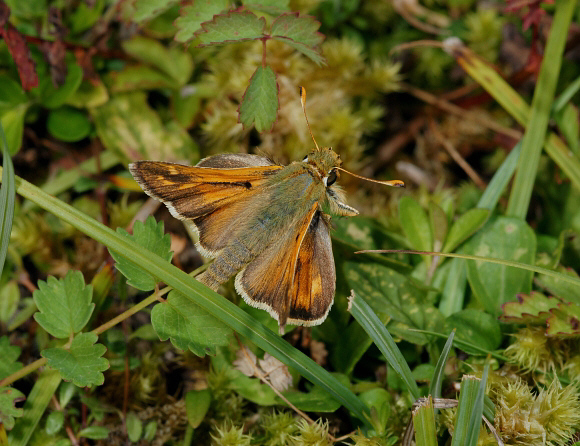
[262,222]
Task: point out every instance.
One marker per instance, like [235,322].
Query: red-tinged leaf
[273,7]
[533,308]
[192,16]
[260,102]
[235,26]
[565,321]
[300,32]
[18,49]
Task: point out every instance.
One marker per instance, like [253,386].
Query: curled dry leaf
[277,372]
[246,362]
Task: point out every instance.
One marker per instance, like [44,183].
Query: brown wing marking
[293,279]
[206,195]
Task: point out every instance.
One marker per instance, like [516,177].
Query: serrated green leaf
[188,326]
[64,305]
[416,227]
[301,33]
[192,16]
[493,284]
[8,411]
[476,327]
[235,26]
[464,227]
[82,363]
[196,406]
[563,322]
[272,7]
[533,308]
[560,288]
[260,103]
[151,236]
[148,9]
[9,354]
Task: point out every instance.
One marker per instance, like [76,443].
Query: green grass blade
[207,299]
[371,323]
[537,126]
[467,398]
[6,199]
[566,96]
[424,423]
[34,407]
[474,426]
[500,180]
[438,373]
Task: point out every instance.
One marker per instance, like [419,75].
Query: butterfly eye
[331,178]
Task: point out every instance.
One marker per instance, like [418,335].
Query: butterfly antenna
[393,183]
[303,101]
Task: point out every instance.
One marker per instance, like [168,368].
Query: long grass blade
[424,423]
[537,126]
[438,374]
[474,426]
[209,300]
[6,199]
[371,323]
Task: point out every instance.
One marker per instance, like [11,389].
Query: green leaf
[94,432]
[151,236]
[235,26]
[467,398]
[134,427]
[568,123]
[476,327]
[391,293]
[64,305]
[474,426]
[378,400]
[9,354]
[68,124]
[7,193]
[9,298]
[128,126]
[174,61]
[138,77]
[301,33]
[192,16]
[260,102]
[8,399]
[196,406]
[272,7]
[493,284]
[82,363]
[11,93]
[439,371]
[424,423]
[54,422]
[416,227]
[148,9]
[563,322]
[188,326]
[13,123]
[533,308]
[439,225]
[559,287]
[464,227]
[52,97]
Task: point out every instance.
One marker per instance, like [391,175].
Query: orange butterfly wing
[212,195]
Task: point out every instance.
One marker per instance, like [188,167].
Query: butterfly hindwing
[300,274]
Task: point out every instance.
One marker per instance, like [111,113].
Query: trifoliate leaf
[82,363]
[149,235]
[301,33]
[533,308]
[9,354]
[188,326]
[235,26]
[260,102]
[192,16]
[8,398]
[64,305]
